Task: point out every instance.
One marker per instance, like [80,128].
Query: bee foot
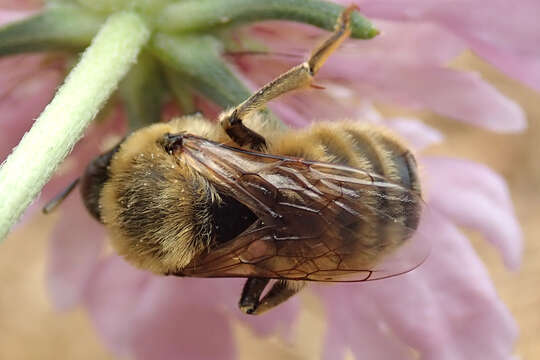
[248,309]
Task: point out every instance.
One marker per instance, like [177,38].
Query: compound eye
[172,142]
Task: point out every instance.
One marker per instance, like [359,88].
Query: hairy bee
[241,198]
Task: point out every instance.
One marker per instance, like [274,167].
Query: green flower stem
[109,57]
[197,58]
[197,15]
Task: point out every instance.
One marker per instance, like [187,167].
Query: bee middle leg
[298,77]
[250,302]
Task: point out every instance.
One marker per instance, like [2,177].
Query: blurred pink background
[31,329]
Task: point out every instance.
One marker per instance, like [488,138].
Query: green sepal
[142,92]
[197,59]
[145,8]
[202,15]
[57,28]
[181,91]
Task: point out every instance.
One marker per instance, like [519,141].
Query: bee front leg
[281,291]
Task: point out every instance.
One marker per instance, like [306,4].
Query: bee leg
[253,288]
[241,134]
[298,77]
[281,291]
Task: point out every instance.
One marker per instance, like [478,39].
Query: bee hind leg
[300,76]
[240,133]
[281,291]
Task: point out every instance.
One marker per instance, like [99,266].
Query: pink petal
[298,109]
[193,332]
[418,43]
[289,115]
[77,241]
[511,27]
[507,29]
[446,309]
[457,94]
[270,34]
[20,106]
[354,322]
[523,68]
[21,4]
[316,105]
[142,314]
[424,44]
[111,298]
[415,132]
[474,196]
[408,43]
[223,295]
[17,68]
[410,78]
[181,318]
[8,16]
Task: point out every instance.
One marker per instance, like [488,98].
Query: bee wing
[317,221]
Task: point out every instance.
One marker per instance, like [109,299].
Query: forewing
[318,221]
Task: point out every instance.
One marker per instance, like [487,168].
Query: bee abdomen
[368,148]
[376,151]
[386,155]
[392,160]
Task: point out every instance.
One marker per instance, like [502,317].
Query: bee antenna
[57,200]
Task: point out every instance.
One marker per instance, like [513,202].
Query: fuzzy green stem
[110,55]
[197,15]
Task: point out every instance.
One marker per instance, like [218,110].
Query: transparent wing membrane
[317,221]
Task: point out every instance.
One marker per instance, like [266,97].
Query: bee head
[156,207]
[93,179]
[172,143]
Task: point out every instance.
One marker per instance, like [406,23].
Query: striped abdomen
[393,215]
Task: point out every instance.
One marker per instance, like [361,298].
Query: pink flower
[414,75]
[446,309]
[499,31]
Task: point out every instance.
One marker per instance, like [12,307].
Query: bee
[244,198]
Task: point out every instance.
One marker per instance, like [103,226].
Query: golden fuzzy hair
[157,209]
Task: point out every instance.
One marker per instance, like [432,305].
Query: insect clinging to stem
[243,198]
